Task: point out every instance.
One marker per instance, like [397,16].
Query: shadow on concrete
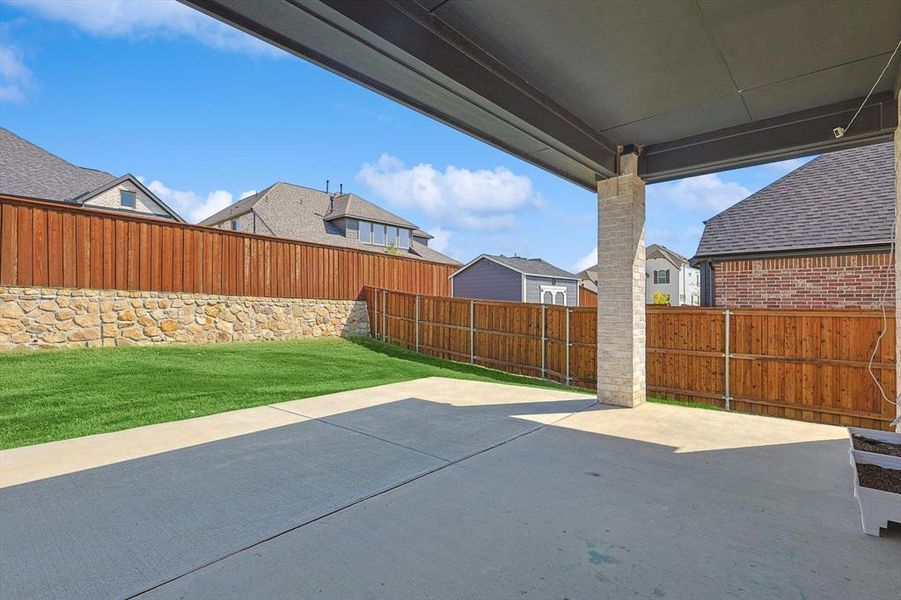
[416,498]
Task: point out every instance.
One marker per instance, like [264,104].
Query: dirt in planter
[878,478]
[870,445]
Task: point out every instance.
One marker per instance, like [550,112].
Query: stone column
[621,286]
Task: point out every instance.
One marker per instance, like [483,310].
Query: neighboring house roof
[236,209]
[298,212]
[653,251]
[134,181]
[658,251]
[30,171]
[841,199]
[527,266]
[354,207]
[589,274]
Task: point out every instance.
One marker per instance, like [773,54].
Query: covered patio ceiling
[697,86]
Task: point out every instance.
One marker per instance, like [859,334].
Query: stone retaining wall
[78,318]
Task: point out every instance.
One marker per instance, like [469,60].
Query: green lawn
[54,395]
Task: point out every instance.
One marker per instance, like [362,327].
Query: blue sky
[206,114]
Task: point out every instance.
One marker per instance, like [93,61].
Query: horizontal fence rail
[809,365]
[54,245]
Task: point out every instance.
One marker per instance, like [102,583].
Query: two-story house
[29,171]
[343,220]
[669,274]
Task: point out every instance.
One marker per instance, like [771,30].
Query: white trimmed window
[661,276]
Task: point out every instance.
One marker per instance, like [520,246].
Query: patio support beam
[621,301]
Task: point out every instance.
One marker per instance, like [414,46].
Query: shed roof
[527,266]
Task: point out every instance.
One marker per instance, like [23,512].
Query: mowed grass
[55,395]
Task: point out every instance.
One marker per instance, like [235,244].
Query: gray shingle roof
[297,212]
[840,199]
[532,266]
[658,251]
[235,209]
[351,205]
[29,170]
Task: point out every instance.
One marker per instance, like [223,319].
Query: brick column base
[621,288]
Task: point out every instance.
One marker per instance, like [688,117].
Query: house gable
[109,197]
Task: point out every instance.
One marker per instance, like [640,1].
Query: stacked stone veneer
[621,299]
[78,318]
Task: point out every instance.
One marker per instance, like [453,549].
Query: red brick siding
[846,281]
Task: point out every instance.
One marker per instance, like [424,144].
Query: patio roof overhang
[697,86]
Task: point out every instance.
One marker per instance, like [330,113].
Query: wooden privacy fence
[809,365]
[54,245]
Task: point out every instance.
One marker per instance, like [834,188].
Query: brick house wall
[842,281]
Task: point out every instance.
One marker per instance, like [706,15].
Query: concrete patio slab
[451,419]
[31,463]
[41,461]
[448,489]
[113,531]
[110,527]
[569,513]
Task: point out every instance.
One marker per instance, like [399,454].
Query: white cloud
[440,241]
[247,193]
[705,193]
[190,205]
[15,78]
[144,19]
[589,260]
[455,198]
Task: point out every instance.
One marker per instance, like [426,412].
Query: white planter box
[877,507]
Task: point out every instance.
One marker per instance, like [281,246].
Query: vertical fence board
[52,244]
[9,246]
[799,364]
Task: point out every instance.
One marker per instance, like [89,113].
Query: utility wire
[840,131]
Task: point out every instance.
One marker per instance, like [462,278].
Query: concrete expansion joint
[448,463]
[352,430]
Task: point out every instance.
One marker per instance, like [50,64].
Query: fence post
[726,355]
[543,339]
[472,332]
[568,312]
[374,326]
[384,315]
[416,323]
